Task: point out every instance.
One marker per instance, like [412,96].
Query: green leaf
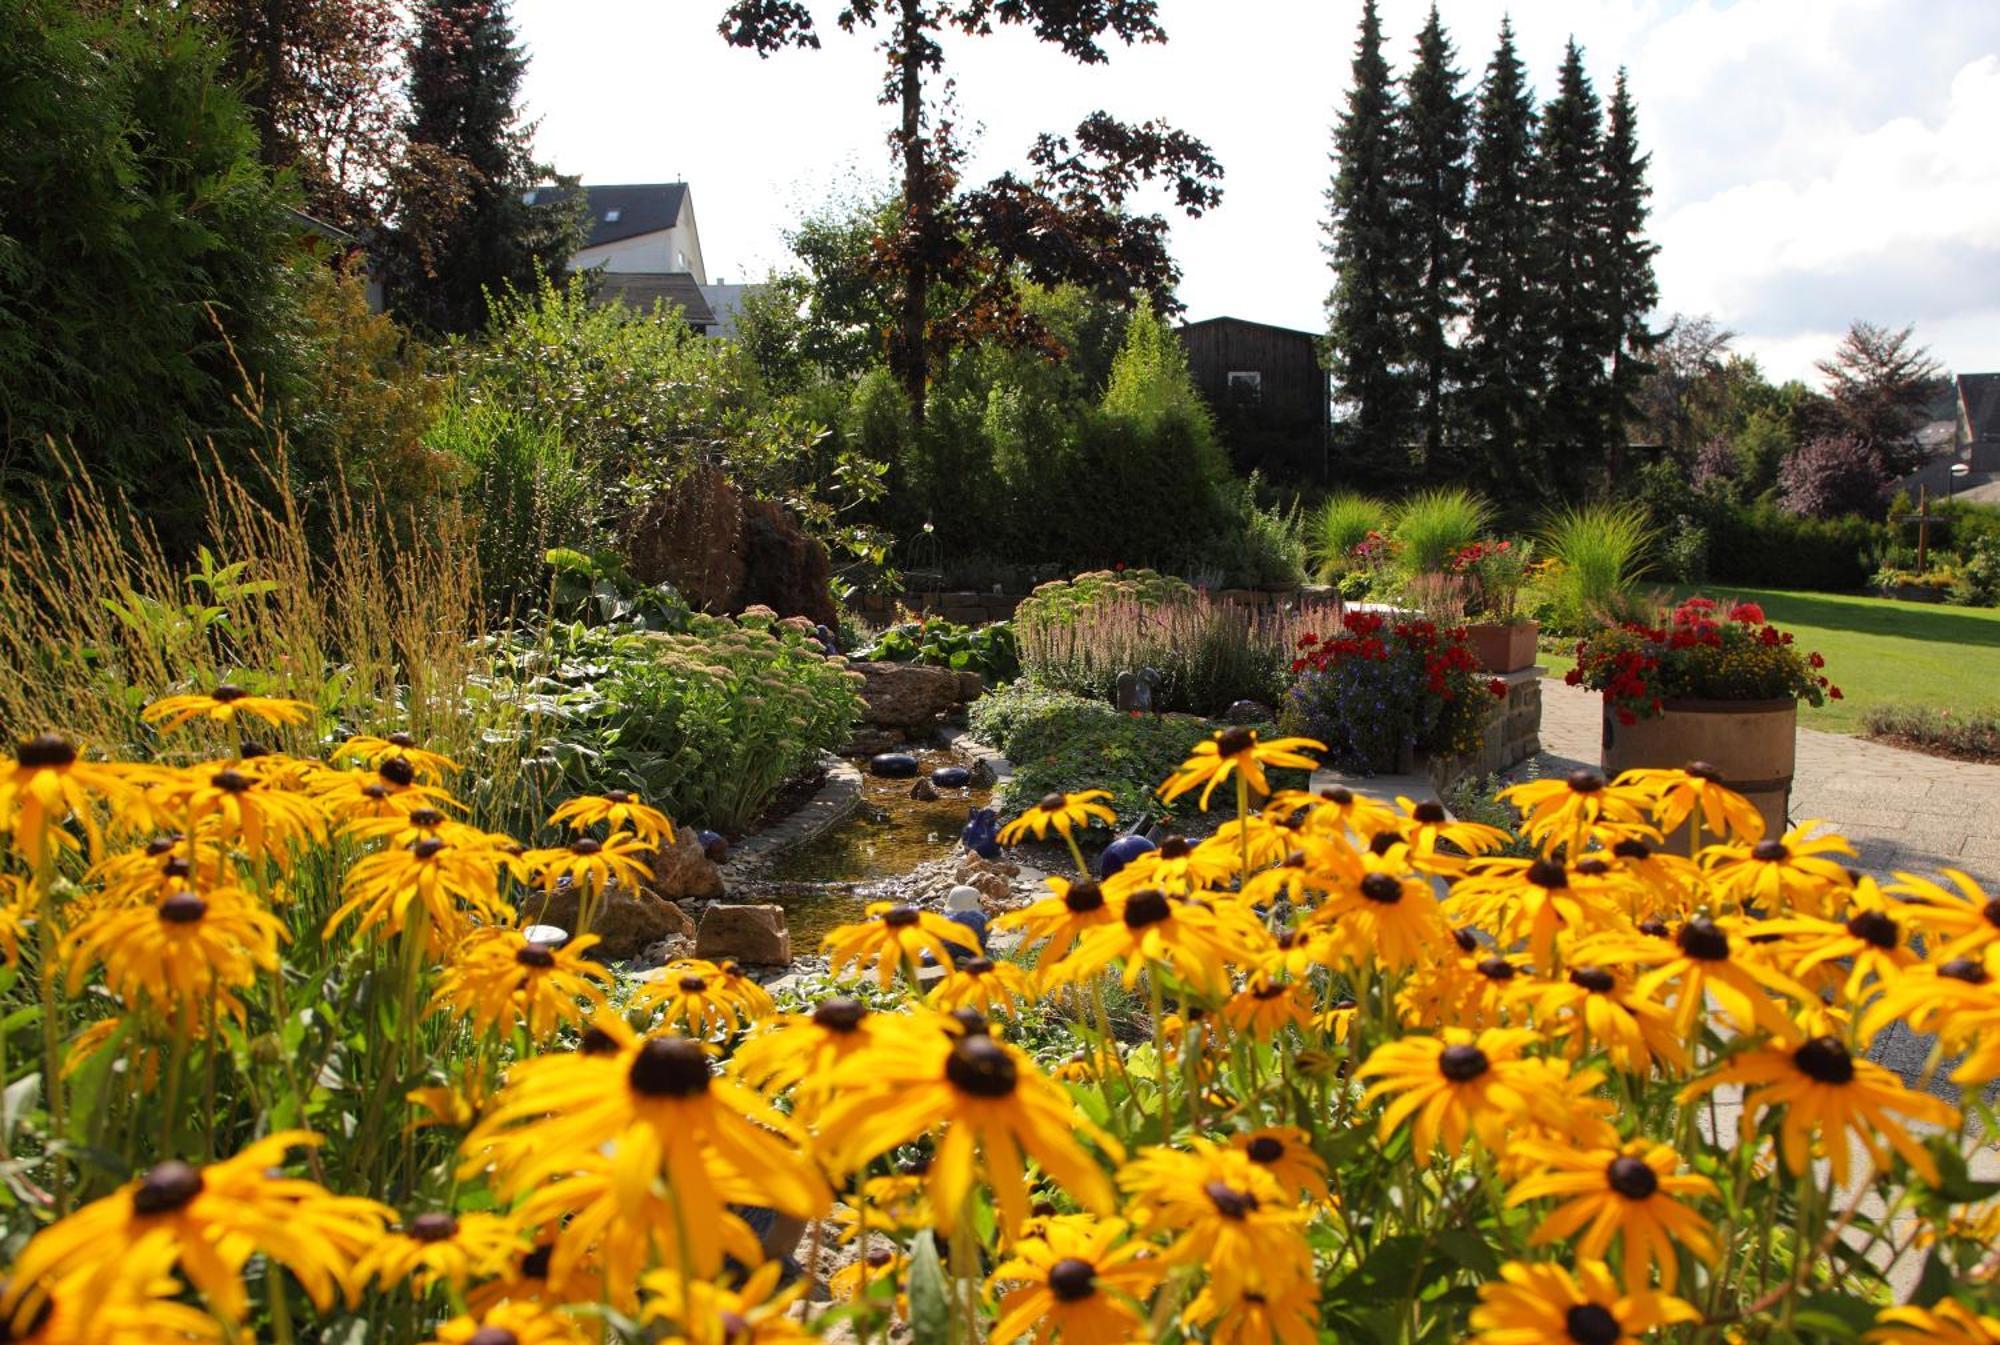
[930,1300]
[1834,1317]
[1471,1251]
[1934,1283]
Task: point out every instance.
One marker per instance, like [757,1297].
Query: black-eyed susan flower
[406,828]
[215,1218]
[426,766]
[1962,915]
[1388,913]
[1544,1304]
[1591,1009]
[1945,1322]
[806,1049]
[995,988]
[1286,1153]
[616,810]
[1061,813]
[1225,1213]
[1159,931]
[183,952]
[1631,1193]
[1946,997]
[1237,751]
[591,865]
[1080,1280]
[499,981]
[1177,866]
[755,1000]
[1827,1093]
[47,783]
[511,1323]
[266,820]
[696,1312]
[986,1103]
[693,996]
[1059,920]
[1697,792]
[857,1282]
[1264,1006]
[1535,900]
[1706,957]
[1780,874]
[440,880]
[390,788]
[1456,1084]
[1563,814]
[1336,811]
[1245,843]
[136,1304]
[1285,1315]
[227,705]
[165,864]
[894,937]
[1439,842]
[18,912]
[439,1247]
[1864,945]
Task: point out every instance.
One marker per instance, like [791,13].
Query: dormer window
[611,217]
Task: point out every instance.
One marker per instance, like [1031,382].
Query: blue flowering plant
[1380,693]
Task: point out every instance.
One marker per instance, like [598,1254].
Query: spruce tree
[1571,277]
[1432,185]
[464,224]
[1630,291]
[1502,356]
[1365,337]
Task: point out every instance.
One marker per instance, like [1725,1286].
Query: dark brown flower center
[1338,796]
[1701,770]
[1084,897]
[28,1329]
[1053,803]
[617,796]
[981,1067]
[1382,842]
[426,819]
[840,1015]
[167,1187]
[1176,847]
[1432,813]
[1701,939]
[1229,1202]
[430,847]
[1384,889]
[670,1067]
[535,1265]
[1071,1280]
[1874,928]
[1466,940]
[1596,980]
[1592,867]
[1653,927]
[251,748]
[433,1227]
[977,966]
[970,1021]
[161,845]
[400,739]
[1497,969]
[1462,1063]
[1992,912]
[1825,1060]
[735,1326]
[492,1335]
[900,917]
[1592,1324]
[1632,1178]
[1234,742]
[1965,969]
[586,845]
[1547,876]
[1585,782]
[231,781]
[1147,906]
[45,751]
[536,956]
[694,985]
[228,692]
[1771,852]
[177,867]
[183,908]
[1628,848]
[397,771]
[1265,1149]
[596,1041]
[879,1257]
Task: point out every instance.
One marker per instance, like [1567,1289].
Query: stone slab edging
[962,744]
[833,804]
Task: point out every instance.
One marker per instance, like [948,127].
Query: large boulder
[683,871]
[725,552]
[628,920]
[754,935]
[911,695]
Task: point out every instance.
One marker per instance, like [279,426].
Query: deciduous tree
[1879,381]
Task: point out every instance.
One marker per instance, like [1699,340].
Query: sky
[1813,161]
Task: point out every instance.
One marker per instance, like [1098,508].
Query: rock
[907,695]
[868,742]
[725,552]
[992,886]
[1250,712]
[750,934]
[548,936]
[892,765]
[951,777]
[627,920]
[923,791]
[715,845]
[971,686]
[683,871]
[1121,852]
[983,774]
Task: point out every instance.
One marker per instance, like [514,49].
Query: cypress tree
[1434,136]
[1571,274]
[465,224]
[1365,338]
[1502,357]
[1630,291]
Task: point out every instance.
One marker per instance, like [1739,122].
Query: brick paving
[1902,810]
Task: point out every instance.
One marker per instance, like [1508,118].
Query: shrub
[1967,736]
[1340,524]
[1432,526]
[1832,476]
[1600,552]
[988,650]
[1976,582]
[1693,652]
[525,491]
[1376,692]
[1265,548]
[1762,545]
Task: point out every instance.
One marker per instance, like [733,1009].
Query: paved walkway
[1902,810]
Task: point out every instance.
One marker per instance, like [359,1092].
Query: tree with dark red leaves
[954,252]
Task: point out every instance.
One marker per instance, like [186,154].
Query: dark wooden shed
[1269,393]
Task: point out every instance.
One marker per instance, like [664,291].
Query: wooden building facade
[1271,398]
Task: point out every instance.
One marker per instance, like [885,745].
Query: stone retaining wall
[1514,735]
[977,609]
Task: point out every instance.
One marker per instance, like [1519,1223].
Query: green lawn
[1881,652]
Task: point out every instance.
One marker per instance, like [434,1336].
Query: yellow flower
[695,997]
[1547,1305]
[1945,1322]
[989,1106]
[1594,1008]
[804,1049]
[591,865]
[895,936]
[427,766]
[1062,814]
[1860,950]
[1825,1090]
[1387,914]
[47,783]
[500,981]
[224,705]
[1157,931]
[1287,1316]
[1534,900]
[1265,1007]
[618,810]
[390,789]
[695,1312]
[180,953]
[1227,1215]
[1237,751]
[1698,792]
[1425,826]
[214,1219]
[435,877]
[1775,876]
[1177,867]
[514,1324]
[1705,957]
[1628,1193]
[438,1248]
[1079,1280]
[266,819]
[133,1303]
[163,866]
[1457,1084]
[1334,812]
[1060,919]
[1967,919]
[1562,814]
[996,989]
[1286,1153]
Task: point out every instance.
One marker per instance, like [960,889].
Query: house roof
[624,211]
[1246,322]
[1981,395]
[645,290]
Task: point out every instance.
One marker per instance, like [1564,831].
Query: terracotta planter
[1503,647]
[1752,744]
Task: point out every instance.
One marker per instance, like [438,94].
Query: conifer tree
[1502,356]
[1630,291]
[1570,275]
[1433,138]
[465,224]
[1365,336]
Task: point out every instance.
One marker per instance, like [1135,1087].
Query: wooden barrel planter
[1752,744]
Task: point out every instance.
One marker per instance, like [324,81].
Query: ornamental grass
[283,1062]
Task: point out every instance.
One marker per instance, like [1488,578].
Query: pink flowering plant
[1700,650]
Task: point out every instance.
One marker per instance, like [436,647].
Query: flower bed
[1700,651]
[1378,692]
